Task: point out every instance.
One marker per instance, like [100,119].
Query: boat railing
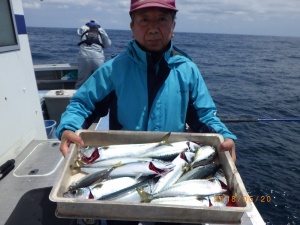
[56,76]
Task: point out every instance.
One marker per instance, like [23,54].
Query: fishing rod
[236,120]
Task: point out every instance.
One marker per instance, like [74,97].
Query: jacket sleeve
[82,29]
[202,112]
[106,42]
[82,104]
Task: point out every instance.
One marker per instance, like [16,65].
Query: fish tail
[117,165]
[146,197]
[74,167]
[164,140]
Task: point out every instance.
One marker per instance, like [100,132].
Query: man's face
[152,28]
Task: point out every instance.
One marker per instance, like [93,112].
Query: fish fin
[97,185]
[73,186]
[78,163]
[164,140]
[106,176]
[186,168]
[117,165]
[146,197]
[73,167]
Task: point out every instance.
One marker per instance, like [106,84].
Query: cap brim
[155,5]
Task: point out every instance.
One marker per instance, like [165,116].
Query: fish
[171,151]
[88,170]
[113,161]
[138,169]
[109,186]
[92,178]
[197,201]
[200,172]
[105,164]
[221,177]
[204,155]
[100,189]
[80,193]
[196,187]
[180,162]
[92,154]
[130,194]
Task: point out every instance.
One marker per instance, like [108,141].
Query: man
[157,88]
[151,86]
[91,55]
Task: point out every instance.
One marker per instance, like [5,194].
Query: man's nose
[153,27]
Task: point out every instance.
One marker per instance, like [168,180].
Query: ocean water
[248,77]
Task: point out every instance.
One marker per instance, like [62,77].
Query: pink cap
[140,4]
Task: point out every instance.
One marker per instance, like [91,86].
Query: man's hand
[68,137]
[228,145]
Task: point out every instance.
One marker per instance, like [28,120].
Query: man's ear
[131,27]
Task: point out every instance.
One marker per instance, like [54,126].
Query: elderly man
[155,86]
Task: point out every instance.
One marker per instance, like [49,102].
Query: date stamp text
[262,198]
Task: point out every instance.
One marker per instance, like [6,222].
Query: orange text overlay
[263,198]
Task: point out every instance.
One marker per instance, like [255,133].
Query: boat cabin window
[8,33]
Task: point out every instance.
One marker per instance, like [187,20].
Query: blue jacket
[152,95]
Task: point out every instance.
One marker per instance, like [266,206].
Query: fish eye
[74,192]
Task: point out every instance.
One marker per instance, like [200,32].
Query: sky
[251,17]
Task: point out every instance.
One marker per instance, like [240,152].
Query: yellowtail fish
[92,178]
[80,193]
[113,161]
[183,201]
[221,177]
[199,187]
[200,172]
[137,169]
[91,154]
[171,177]
[204,155]
[106,164]
[113,185]
[100,189]
[130,194]
[171,151]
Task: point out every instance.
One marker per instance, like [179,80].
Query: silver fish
[199,187]
[138,169]
[204,155]
[81,193]
[200,172]
[171,151]
[171,177]
[113,161]
[89,170]
[130,194]
[91,178]
[113,185]
[106,164]
[184,201]
[92,154]
[221,177]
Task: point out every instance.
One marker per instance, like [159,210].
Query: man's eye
[144,20]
